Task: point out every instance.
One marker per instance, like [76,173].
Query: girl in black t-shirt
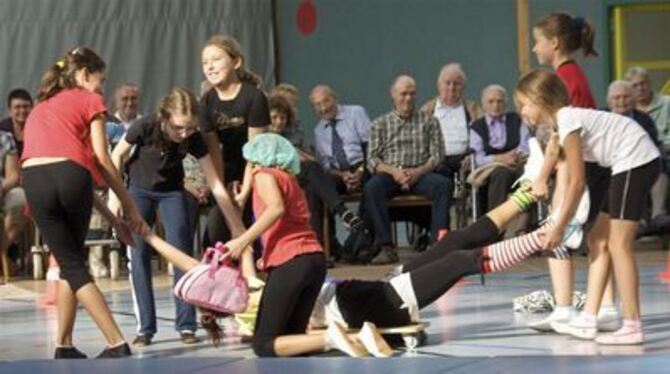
[232,112]
[156,182]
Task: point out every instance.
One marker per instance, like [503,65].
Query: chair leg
[5,265]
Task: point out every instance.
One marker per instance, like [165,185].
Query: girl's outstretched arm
[178,258]
[274,203]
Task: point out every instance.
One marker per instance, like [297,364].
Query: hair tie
[60,64]
[578,23]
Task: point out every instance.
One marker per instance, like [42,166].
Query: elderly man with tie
[341,138]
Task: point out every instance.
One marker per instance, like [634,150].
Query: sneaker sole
[604,341]
[579,333]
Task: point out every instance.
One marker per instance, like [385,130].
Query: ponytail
[245,75]
[588,35]
[572,33]
[61,74]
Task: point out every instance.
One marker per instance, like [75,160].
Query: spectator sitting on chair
[500,143]
[341,138]
[127,102]
[405,147]
[292,95]
[454,114]
[19,103]
[13,197]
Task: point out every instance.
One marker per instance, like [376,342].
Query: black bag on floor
[358,247]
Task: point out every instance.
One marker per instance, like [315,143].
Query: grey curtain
[154,43]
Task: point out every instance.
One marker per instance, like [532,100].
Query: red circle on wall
[306,17]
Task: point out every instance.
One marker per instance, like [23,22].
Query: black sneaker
[386,256]
[142,340]
[116,352]
[351,221]
[68,353]
[188,337]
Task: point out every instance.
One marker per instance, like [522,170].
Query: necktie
[338,148]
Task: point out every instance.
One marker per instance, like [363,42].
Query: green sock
[523,199]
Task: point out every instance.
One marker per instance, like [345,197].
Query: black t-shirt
[156,162]
[231,120]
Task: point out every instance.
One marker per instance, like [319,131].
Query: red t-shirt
[292,234]
[578,86]
[60,127]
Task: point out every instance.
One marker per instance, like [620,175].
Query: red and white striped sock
[505,254]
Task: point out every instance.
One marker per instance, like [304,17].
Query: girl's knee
[76,278]
[264,346]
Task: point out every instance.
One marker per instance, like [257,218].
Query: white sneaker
[339,340]
[373,341]
[608,320]
[544,325]
[622,337]
[576,327]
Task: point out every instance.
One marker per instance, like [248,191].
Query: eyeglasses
[185,130]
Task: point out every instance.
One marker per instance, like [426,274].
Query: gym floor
[472,328]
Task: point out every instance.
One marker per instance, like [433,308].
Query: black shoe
[142,340]
[188,337]
[67,353]
[351,221]
[386,256]
[116,352]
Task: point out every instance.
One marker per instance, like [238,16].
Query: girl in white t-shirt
[615,142]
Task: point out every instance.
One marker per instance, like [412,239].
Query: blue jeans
[173,209]
[381,188]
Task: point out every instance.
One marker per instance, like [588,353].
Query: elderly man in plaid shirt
[405,146]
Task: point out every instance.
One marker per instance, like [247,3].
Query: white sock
[564,310]
[402,284]
[609,309]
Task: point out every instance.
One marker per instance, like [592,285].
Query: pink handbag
[215,283]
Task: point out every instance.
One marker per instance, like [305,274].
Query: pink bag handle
[216,257]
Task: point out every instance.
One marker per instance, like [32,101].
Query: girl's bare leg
[599,264]
[94,302]
[67,310]
[561,271]
[622,246]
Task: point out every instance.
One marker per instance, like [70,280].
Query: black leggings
[60,196]
[379,303]
[433,273]
[482,232]
[433,280]
[288,300]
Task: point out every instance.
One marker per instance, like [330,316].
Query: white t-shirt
[609,139]
[454,125]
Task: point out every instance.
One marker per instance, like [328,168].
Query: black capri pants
[288,299]
[60,196]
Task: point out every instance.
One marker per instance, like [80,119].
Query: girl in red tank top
[558,37]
